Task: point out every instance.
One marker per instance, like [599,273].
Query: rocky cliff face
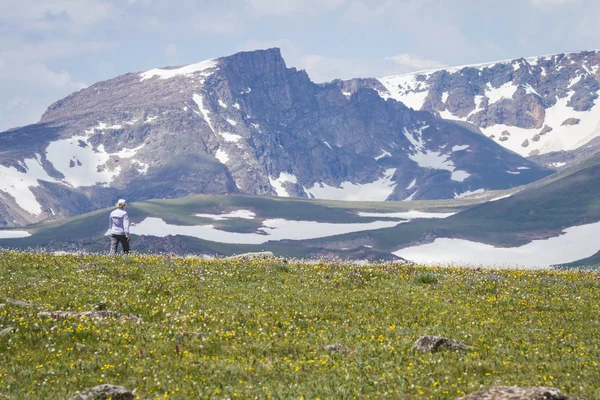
[532,106]
[244,123]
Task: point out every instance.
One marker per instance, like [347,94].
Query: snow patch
[378,190]
[14,234]
[468,193]
[230,137]
[459,175]
[222,156]
[505,91]
[231,122]
[204,113]
[383,154]
[412,184]
[530,90]
[459,147]
[431,159]
[204,68]
[575,243]
[272,229]
[409,198]
[445,96]
[278,184]
[222,103]
[84,165]
[18,184]
[242,214]
[410,214]
[406,89]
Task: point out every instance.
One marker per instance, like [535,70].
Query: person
[119,228]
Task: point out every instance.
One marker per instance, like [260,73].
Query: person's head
[121,203]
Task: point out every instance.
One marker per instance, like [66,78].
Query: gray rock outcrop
[104,392]
[519,393]
[432,344]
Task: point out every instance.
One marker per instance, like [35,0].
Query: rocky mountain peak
[532,106]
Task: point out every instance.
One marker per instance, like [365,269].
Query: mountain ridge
[245,123]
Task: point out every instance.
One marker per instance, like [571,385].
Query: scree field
[260,329]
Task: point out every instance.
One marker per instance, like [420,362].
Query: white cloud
[415,62]
[292,7]
[542,3]
[170,50]
[28,89]
[41,13]
[322,68]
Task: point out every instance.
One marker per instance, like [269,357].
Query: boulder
[19,303]
[260,255]
[432,344]
[6,331]
[104,392]
[519,393]
[89,314]
[339,348]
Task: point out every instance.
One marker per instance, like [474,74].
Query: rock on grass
[432,344]
[104,392]
[6,331]
[519,393]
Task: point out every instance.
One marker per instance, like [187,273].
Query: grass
[258,329]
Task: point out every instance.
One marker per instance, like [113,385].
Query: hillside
[530,215]
[225,225]
[246,124]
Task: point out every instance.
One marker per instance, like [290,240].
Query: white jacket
[119,222]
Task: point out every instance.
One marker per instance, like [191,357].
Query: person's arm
[126,224]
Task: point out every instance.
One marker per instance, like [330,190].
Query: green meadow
[234,329]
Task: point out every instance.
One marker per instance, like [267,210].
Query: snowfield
[378,190]
[14,234]
[575,243]
[274,229]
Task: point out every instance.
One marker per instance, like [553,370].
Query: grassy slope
[91,227]
[261,328]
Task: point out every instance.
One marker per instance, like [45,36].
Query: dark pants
[114,243]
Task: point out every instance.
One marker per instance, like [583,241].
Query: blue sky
[50,48]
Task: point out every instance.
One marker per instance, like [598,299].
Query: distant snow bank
[187,70]
[274,229]
[575,243]
[14,234]
[411,214]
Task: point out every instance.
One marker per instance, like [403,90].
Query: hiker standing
[119,228]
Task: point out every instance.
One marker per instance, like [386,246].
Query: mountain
[532,106]
[240,124]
